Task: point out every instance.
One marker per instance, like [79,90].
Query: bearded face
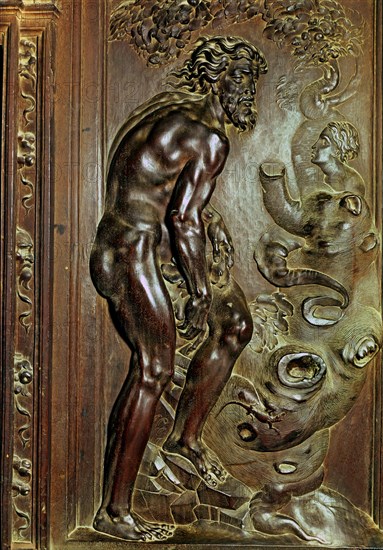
[236,90]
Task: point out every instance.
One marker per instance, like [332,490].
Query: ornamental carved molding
[25,327]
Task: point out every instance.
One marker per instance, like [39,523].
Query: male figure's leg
[231,326]
[143,311]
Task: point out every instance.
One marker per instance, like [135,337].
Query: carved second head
[339,140]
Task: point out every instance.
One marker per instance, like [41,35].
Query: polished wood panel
[68,91]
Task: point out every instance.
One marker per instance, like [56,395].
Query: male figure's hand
[196,314]
[223,251]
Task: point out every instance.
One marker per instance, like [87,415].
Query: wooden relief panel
[238,252]
[197,288]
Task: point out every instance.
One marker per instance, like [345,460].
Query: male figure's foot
[205,461]
[130,526]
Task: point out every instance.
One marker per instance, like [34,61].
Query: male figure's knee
[237,333]
[244,328]
[157,371]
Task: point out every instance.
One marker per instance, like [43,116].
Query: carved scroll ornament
[24,383]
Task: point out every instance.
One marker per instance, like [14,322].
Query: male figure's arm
[192,193]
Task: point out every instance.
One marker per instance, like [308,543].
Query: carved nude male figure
[161,179]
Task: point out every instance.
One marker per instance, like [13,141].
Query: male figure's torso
[156,158]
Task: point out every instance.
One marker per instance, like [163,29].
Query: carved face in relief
[338,140]
[25,256]
[236,90]
[324,148]
[24,247]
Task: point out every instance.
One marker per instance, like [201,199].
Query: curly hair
[346,138]
[210,59]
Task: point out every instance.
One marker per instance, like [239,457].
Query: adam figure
[161,179]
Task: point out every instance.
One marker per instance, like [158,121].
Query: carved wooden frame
[27,34]
[44,335]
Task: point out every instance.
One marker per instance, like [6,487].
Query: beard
[241,112]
